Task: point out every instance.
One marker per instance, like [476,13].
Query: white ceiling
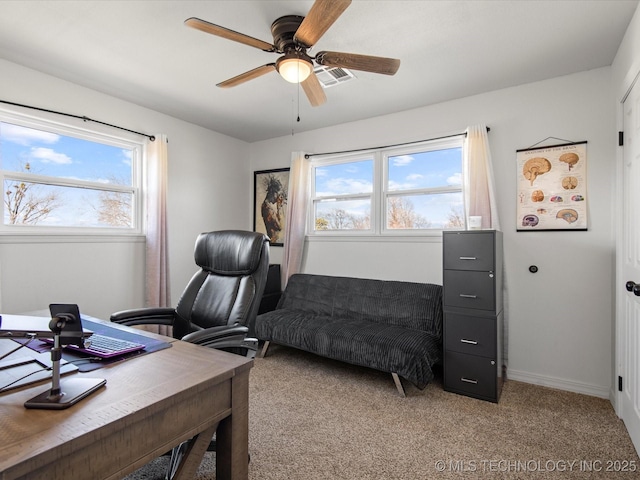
[140,51]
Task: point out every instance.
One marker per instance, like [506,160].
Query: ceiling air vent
[331,76]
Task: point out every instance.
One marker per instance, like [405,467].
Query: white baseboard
[613,397]
[559,383]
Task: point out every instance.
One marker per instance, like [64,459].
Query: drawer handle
[464,295]
[470,342]
[468,258]
[469,380]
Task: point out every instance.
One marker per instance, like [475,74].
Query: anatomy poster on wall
[552,187]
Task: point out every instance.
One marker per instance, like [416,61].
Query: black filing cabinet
[473,313]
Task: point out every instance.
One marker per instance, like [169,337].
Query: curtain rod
[309,155]
[86,119]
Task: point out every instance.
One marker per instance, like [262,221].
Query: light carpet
[313,418]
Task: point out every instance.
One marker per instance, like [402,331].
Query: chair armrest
[232,338]
[216,334]
[145,316]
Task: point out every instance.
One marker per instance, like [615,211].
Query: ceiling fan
[293,36]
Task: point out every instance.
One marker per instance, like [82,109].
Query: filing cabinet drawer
[467,289]
[469,251]
[471,375]
[471,335]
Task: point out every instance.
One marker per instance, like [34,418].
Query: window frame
[381,191]
[136,189]
[313,199]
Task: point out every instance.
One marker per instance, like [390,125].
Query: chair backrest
[228,288]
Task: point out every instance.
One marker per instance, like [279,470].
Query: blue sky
[62,156]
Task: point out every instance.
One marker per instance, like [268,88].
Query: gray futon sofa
[391,326]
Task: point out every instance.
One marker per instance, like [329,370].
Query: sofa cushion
[390,348]
[416,306]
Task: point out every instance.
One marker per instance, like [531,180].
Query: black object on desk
[72,390]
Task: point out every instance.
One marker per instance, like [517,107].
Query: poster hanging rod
[83,118]
[535,147]
[309,155]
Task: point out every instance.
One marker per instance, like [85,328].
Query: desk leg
[191,457]
[232,436]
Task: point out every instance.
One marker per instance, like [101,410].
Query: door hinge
[619,383]
[620,139]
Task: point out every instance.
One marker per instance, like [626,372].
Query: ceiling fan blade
[366,63]
[223,32]
[313,90]
[322,15]
[246,76]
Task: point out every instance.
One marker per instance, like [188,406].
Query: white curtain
[479,191]
[480,199]
[297,201]
[157,250]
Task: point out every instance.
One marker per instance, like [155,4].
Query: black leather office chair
[218,308]
[222,299]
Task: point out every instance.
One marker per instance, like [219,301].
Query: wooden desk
[150,404]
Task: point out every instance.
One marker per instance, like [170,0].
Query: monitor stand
[70,390]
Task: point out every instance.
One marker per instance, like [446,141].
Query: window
[344,195]
[415,189]
[58,178]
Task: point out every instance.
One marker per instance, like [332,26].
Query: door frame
[619,294]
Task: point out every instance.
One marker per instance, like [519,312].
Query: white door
[628,289]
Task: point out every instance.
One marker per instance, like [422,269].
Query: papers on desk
[22,371]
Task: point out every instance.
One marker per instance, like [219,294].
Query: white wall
[207,171]
[560,319]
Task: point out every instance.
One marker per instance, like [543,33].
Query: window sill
[435,237]
[21,238]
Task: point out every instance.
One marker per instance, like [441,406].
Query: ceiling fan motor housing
[283,31]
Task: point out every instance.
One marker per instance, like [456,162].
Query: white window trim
[56,234]
[378,231]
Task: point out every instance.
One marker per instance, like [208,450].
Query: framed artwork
[270,203]
[552,187]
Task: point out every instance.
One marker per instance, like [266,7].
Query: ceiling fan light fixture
[293,68]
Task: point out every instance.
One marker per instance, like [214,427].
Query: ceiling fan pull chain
[298,103]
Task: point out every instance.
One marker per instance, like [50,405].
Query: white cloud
[48,155]
[394,186]
[415,176]
[455,179]
[339,186]
[402,160]
[127,155]
[26,136]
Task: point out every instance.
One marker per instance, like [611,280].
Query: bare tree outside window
[114,208]
[322,224]
[24,202]
[456,219]
[340,219]
[401,215]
